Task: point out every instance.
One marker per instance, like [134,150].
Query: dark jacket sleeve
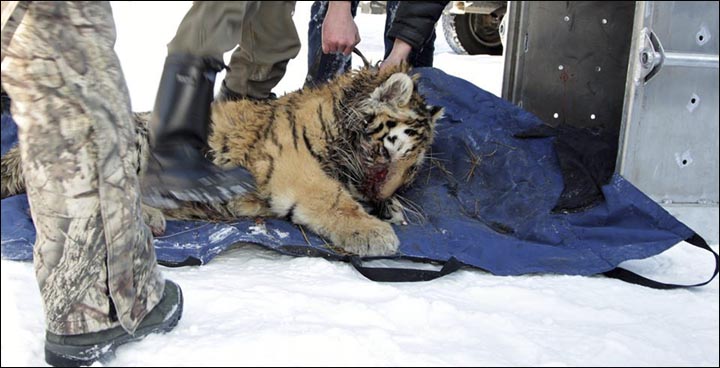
[415,21]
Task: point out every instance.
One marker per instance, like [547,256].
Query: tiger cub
[317,153]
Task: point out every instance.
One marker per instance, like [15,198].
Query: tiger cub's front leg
[323,205]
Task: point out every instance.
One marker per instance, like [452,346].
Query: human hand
[400,52]
[339,32]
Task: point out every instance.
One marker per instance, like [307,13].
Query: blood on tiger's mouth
[374,180]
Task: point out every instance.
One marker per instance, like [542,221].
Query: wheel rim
[484,29]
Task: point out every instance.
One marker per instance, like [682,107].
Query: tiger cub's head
[399,130]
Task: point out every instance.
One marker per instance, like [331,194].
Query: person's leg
[317,17]
[178,169]
[94,258]
[390,10]
[268,41]
[211,28]
[417,58]
[323,67]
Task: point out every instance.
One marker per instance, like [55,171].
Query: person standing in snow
[94,258]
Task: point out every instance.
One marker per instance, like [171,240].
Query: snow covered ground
[254,307]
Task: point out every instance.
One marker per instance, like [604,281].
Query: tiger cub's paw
[154,219]
[370,237]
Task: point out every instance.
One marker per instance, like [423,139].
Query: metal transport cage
[648,70]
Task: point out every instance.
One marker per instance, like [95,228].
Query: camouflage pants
[94,259]
[264,32]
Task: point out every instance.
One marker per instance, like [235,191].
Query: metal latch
[651,55]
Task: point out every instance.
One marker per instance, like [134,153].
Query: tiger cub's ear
[396,90]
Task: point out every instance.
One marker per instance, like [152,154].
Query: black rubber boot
[86,349]
[178,170]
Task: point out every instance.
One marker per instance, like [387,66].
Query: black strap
[392,274]
[364,60]
[189,261]
[633,278]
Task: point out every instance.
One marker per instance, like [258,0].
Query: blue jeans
[323,67]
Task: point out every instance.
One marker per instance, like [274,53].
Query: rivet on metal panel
[703,36]
[693,103]
[567,18]
[645,58]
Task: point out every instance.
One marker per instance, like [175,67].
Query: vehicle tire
[473,33]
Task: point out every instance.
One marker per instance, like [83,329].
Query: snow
[258,229]
[281,234]
[254,307]
[222,234]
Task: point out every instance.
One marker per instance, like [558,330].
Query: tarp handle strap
[391,274]
[633,278]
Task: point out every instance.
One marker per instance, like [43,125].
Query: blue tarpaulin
[486,199]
